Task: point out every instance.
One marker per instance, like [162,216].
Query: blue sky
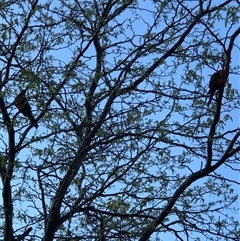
[233,79]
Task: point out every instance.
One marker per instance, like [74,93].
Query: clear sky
[65,55]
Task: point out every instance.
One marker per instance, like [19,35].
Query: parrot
[217,82]
[23,106]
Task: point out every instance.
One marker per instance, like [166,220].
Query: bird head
[23,92]
[223,72]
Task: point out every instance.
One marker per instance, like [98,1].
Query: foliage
[126,148]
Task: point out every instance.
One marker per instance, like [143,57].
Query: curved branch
[30,14]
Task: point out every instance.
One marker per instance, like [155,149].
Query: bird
[217,82]
[23,106]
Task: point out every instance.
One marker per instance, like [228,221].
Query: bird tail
[33,121]
[210,99]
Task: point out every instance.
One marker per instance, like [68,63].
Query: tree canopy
[126,148]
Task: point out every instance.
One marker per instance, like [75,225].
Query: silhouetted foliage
[126,148]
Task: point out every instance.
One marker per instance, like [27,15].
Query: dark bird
[217,82]
[23,106]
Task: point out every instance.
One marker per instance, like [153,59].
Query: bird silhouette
[23,106]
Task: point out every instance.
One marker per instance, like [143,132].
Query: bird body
[217,82]
[23,106]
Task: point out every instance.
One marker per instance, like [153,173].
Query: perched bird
[23,106]
[217,82]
